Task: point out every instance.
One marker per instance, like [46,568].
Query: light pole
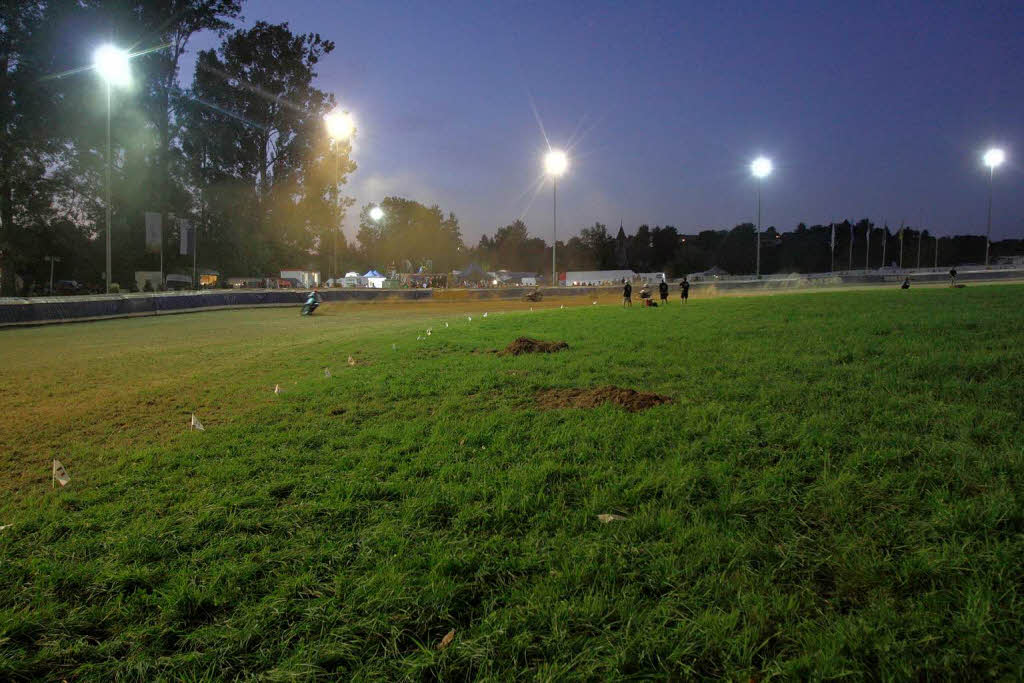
[994,157]
[51,259]
[340,127]
[555,164]
[111,64]
[761,167]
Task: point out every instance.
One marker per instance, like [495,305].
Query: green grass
[835,492]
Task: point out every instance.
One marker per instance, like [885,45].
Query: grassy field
[835,491]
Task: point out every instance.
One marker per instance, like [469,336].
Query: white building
[306,278]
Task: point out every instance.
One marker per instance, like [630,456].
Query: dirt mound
[630,399]
[527,345]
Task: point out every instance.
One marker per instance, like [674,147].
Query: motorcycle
[311,304]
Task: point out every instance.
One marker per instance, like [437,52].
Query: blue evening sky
[877,110]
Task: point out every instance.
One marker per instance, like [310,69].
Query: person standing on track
[627,294]
[684,290]
[663,291]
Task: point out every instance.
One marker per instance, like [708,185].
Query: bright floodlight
[340,125]
[994,157]
[555,162]
[761,167]
[111,64]
[376,213]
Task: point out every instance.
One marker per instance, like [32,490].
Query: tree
[598,246]
[410,235]
[256,142]
[31,140]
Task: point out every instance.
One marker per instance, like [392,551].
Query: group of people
[647,298]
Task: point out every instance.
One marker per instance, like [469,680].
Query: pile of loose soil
[527,345]
[630,399]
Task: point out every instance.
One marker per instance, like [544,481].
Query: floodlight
[376,213]
[340,125]
[111,64]
[556,162]
[994,157]
[761,167]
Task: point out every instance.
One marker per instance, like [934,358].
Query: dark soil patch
[527,345]
[630,399]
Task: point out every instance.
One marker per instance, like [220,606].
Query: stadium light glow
[994,157]
[111,63]
[376,213]
[340,125]
[761,167]
[556,163]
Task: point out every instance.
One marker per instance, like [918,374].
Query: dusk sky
[867,110]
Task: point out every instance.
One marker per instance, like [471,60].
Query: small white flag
[327,372]
[446,324]
[562,306]
[351,360]
[428,331]
[277,388]
[595,303]
[60,474]
[485,314]
[419,337]
[606,518]
[195,424]
[469,318]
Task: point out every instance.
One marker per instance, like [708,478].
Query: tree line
[242,155]
[805,249]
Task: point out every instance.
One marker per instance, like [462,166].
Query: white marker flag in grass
[351,360]
[485,314]
[469,318]
[446,323]
[59,474]
[327,372]
[195,424]
[277,388]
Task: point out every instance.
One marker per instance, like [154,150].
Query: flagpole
[851,247]
[867,250]
[832,248]
[885,239]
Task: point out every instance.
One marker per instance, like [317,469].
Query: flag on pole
[188,238]
[154,230]
[59,474]
[195,424]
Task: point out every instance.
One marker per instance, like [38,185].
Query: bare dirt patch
[629,399]
[527,345]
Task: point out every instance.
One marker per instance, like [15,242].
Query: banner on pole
[188,238]
[60,474]
[154,230]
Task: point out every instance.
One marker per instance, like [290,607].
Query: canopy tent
[472,272]
[372,273]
